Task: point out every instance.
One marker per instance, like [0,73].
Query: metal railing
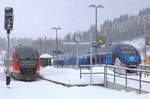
[105,73]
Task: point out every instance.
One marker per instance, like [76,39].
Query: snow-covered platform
[70,77]
[42,89]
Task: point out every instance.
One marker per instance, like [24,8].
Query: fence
[139,71]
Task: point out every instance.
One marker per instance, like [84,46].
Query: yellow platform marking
[147,62]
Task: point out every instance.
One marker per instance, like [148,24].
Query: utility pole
[96,31]
[56,28]
[40,44]
[77,40]
[77,43]
[91,60]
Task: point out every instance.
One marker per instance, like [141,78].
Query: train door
[98,59]
[103,59]
[113,59]
[93,60]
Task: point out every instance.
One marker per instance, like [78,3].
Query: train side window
[113,57]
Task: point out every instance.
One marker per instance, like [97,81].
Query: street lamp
[96,31]
[77,39]
[40,43]
[56,28]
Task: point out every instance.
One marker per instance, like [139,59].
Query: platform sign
[57,52]
[100,40]
[94,44]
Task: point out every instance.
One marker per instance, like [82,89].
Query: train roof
[111,47]
[107,48]
[18,48]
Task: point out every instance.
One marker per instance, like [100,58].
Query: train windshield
[128,51]
[27,58]
[23,55]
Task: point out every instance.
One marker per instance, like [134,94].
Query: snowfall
[41,89]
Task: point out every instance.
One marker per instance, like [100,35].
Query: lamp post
[40,42]
[77,40]
[143,33]
[91,63]
[96,31]
[56,28]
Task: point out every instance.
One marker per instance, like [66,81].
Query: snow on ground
[41,89]
[72,76]
[68,76]
[45,90]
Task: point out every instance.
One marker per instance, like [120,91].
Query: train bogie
[24,77]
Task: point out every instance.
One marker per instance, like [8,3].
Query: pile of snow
[137,43]
[46,56]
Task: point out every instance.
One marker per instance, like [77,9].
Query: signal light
[8,18]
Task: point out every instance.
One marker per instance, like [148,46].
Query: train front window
[26,55]
[127,51]
[27,58]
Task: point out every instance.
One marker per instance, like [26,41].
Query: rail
[139,71]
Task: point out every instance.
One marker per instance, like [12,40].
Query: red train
[26,63]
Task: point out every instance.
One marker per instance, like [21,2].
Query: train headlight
[122,64]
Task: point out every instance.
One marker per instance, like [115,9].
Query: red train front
[26,63]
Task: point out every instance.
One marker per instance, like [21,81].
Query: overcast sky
[35,18]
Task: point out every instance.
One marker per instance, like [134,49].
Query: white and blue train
[113,54]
